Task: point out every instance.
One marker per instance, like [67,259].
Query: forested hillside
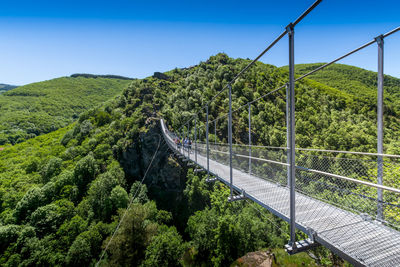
[361,86]
[62,194]
[42,107]
[360,83]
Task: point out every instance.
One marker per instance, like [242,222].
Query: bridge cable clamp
[300,246]
[366,217]
[211,180]
[242,196]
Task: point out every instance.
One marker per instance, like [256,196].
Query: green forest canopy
[62,193]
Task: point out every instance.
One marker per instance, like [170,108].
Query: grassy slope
[43,107]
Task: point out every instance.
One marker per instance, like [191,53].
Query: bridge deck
[358,240]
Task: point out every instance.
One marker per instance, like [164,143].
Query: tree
[86,127]
[70,229]
[87,246]
[196,192]
[51,169]
[84,172]
[139,191]
[8,234]
[119,197]
[102,118]
[30,202]
[79,253]
[48,218]
[135,234]
[165,249]
[201,229]
[99,196]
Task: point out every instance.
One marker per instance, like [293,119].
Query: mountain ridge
[6,87]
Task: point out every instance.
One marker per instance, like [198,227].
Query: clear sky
[40,39]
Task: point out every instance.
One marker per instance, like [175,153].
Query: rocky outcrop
[256,259]
[165,172]
[161,76]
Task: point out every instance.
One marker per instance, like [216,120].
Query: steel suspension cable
[272,44]
[130,203]
[302,76]
[251,102]
[315,70]
[346,55]
[268,219]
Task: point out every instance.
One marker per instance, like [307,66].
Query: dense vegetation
[360,87]
[63,193]
[37,108]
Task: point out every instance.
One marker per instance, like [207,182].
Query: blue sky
[40,40]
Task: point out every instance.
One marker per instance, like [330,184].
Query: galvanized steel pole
[287,134]
[380,43]
[187,141]
[230,140]
[215,132]
[290,29]
[249,138]
[208,148]
[195,140]
[183,138]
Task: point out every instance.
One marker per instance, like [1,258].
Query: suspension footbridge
[355,237]
[340,199]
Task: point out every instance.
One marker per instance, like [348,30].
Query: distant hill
[42,107]
[5,87]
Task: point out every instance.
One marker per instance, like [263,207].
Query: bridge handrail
[387,188]
[315,150]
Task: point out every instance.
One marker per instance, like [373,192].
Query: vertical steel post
[230,139]
[183,137]
[290,29]
[287,134]
[379,41]
[249,138]
[187,141]
[208,148]
[195,140]
[215,132]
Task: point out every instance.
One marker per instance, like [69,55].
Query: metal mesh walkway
[355,237]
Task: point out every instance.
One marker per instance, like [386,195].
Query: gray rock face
[165,172]
[161,76]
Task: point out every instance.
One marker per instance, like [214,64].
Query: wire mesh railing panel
[270,165]
[316,177]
